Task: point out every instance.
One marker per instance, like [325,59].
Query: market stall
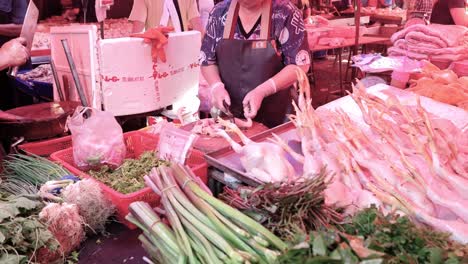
[379,175]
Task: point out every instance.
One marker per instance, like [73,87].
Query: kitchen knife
[29,29]
[228,112]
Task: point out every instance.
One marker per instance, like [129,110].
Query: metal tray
[227,160]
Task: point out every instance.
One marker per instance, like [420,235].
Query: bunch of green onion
[202,228]
[22,173]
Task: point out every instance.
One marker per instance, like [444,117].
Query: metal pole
[74,72]
[102,29]
[57,81]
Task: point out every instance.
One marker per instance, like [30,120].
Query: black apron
[245,64]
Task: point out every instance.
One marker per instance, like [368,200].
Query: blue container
[43,91]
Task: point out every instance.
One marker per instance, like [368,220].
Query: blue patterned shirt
[287,29]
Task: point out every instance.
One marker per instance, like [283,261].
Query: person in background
[85,10]
[304,6]
[249,58]
[13,53]
[11,18]
[149,13]
[446,12]
[205,7]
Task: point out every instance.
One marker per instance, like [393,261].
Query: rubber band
[273,84]
[185,183]
[168,187]
[154,223]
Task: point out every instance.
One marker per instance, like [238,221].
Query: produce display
[442,85]
[286,209]
[23,237]
[42,73]
[202,228]
[402,158]
[432,42]
[371,237]
[128,177]
[29,171]
[45,213]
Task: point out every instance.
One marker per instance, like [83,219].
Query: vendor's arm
[10,30]
[295,52]
[208,60]
[459,16]
[138,16]
[194,17]
[457,11]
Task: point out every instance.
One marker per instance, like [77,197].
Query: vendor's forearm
[197,25]
[287,76]
[10,30]
[459,16]
[211,74]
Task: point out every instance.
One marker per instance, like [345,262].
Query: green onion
[33,170]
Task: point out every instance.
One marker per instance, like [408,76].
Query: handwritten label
[123,79]
[174,143]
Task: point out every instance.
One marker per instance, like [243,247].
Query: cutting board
[208,144]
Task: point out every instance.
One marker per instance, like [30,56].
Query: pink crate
[46,147]
[137,142]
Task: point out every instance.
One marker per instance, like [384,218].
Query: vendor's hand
[219,95]
[253,100]
[157,38]
[14,52]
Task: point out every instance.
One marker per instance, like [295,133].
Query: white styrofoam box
[82,41]
[130,81]
[119,76]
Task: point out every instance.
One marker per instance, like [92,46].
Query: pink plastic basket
[137,142]
[46,147]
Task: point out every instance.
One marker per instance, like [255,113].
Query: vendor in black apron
[248,57]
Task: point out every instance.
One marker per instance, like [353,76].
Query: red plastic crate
[46,147]
[137,142]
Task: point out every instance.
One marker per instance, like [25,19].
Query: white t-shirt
[205,7]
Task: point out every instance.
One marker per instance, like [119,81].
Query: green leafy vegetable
[21,232]
[128,177]
[401,239]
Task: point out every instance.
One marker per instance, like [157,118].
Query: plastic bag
[97,140]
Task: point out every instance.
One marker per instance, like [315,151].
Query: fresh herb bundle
[22,235]
[403,241]
[286,208]
[128,177]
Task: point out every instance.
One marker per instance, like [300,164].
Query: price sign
[174,143]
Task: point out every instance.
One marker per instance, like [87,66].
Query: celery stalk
[200,241]
[211,235]
[144,214]
[181,236]
[230,212]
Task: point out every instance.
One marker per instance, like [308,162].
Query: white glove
[219,95]
[14,52]
[253,100]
